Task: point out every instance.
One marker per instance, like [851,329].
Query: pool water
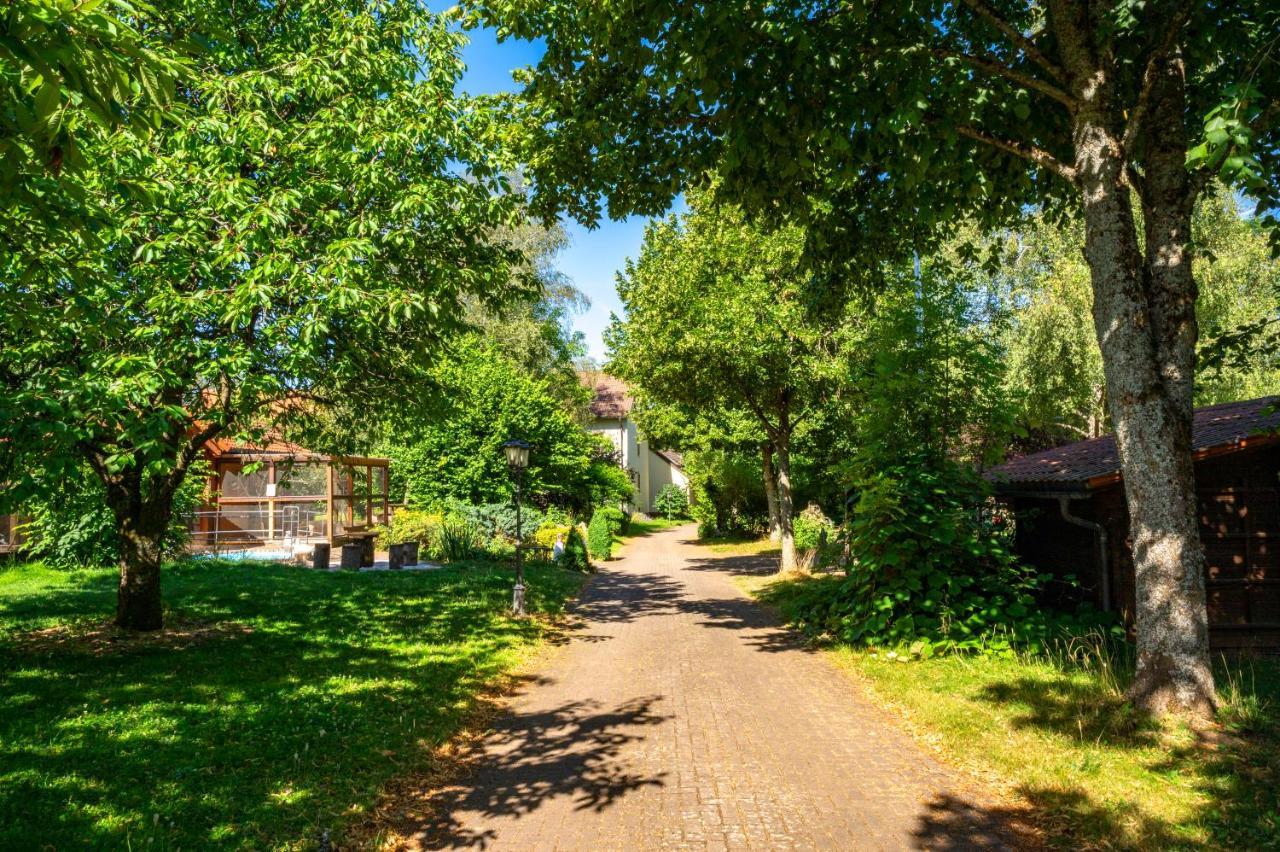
[249,555]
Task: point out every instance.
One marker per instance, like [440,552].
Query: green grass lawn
[1053,733]
[278,704]
[641,527]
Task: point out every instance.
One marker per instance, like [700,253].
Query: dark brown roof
[672,457]
[1089,464]
[612,400]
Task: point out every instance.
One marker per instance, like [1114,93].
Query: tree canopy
[717,321]
[318,214]
[878,129]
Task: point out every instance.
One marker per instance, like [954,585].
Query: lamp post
[517,461]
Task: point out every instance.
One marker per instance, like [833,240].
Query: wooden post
[352,556]
[271,501]
[329,500]
[320,556]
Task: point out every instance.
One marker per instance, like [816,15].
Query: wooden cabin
[1072,521]
[280,496]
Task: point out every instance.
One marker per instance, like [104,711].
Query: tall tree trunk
[771,491]
[785,529]
[141,524]
[1146,363]
[1173,669]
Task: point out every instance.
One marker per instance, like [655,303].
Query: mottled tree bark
[1144,318]
[781,439]
[785,513]
[141,524]
[771,491]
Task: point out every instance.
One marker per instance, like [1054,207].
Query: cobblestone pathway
[679,716]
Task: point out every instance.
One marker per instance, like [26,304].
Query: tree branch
[1151,73]
[1031,153]
[1013,34]
[998,69]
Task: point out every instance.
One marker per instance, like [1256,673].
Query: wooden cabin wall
[1239,501]
[1054,546]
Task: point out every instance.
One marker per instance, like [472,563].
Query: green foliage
[73,72]
[413,525]
[613,518]
[671,502]
[1040,290]
[929,376]
[71,526]
[481,399]
[575,557]
[309,231]
[549,531]
[813,529]
[728,492]
[877,131]
[608,484]
[459,539]
[335,675]
[925,569]
[600,535]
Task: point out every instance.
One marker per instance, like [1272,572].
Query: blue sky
[593,257]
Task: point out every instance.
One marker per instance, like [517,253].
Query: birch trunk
[771,491]
[786,532]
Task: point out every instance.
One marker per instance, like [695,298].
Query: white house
[650,469]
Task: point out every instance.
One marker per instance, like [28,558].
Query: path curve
[681,716]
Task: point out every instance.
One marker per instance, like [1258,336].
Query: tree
[324,204]
[878,128]
[1041,286]
[480,400]
[69,71]
[716,319]
[536,331]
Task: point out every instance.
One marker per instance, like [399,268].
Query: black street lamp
[518,461]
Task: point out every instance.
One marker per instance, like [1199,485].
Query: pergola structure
[284,495]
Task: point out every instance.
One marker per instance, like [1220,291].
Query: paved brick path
[680,716]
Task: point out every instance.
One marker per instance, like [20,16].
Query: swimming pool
[255,555]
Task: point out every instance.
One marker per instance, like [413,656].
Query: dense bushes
[925,570]
[728,492]
[671,502]
[600,534]
[70,525]
[484,399]
[574,557]
[814,535]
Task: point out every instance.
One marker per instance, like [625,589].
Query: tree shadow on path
[528,759]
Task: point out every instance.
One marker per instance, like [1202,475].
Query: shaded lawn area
[1054,731]
[279,705]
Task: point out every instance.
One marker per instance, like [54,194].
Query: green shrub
[71,526]
[671,501]
[925,570]
[609,485]
[412,525]
[548,533]
[459,539]
[615,518]
[574,557]
[812,529]
[600,536]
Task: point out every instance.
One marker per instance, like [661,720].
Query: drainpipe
[1064,503]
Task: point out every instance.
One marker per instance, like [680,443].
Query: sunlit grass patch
[1054,731]
[280,705]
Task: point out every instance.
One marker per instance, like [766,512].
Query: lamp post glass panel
[517,460]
